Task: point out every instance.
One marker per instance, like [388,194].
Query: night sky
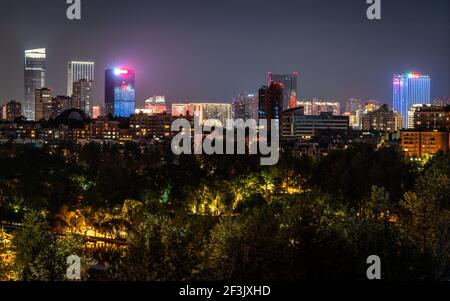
[196,50]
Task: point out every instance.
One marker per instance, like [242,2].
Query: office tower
[34,78]
[270,101]
[77,71]
[155,105]
[211,114]
[82,95]
[43,104]
[245,107]
[181,109]
[120,92]
[290,89]
[410,89]
[96,112]
[11,110]
[382,119]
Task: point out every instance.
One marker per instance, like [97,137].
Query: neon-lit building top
[120,92]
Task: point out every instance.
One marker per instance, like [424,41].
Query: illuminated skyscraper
[120,93]
[34,78]
[43,104]
[409,90]
[289,84]
[77,71]
[82,95]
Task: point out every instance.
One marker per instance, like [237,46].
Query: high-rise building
[245,107]
[76,71]
[82,95]
[289,84]
[120,92]
[211,114]
[383,119]
[270,101]
[43,104]
[34,78]
[410,89]
[11,110]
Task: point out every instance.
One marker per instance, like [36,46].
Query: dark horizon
[204,51]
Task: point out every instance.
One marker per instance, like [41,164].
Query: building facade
[211,114]
[289,84]
[11,110]
[79,70]
[317,107]
[416,144]
[120,93]
[245,107]
[270,101]
[383,119]
[295,125]
[34,78]
[154,105]
[432,118]
[409,90]
[43,104]
[82,95]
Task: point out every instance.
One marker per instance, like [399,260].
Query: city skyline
[181,68]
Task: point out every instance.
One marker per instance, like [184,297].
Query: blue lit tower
[409,90]
[120,92]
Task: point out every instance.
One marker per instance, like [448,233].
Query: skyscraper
[34,78]
[245,107]
[82,95]
[409,90]
[43,104]
[77,71]
[289,84]
[271,101]
[120,92]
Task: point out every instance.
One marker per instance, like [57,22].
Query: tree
[41,256]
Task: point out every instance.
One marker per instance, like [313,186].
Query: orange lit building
[424,144]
